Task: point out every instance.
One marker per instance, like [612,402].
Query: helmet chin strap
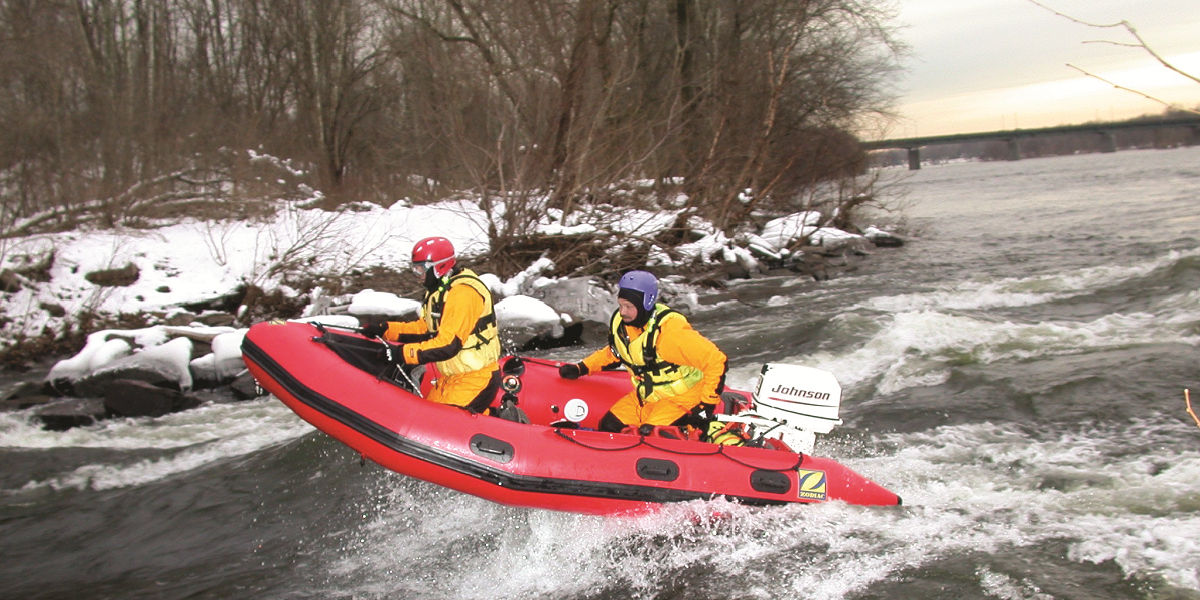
[432,281]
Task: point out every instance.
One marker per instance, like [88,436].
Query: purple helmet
[643,282]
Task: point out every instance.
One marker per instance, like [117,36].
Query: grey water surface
[1015,372]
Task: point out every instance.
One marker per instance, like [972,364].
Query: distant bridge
[1014,136]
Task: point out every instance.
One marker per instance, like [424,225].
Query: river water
[1015,372]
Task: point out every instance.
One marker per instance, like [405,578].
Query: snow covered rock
[583,299]
[523,319]
[165,365]
[883,239]
[385,304]
[780,233]
[587,304]
[223,364]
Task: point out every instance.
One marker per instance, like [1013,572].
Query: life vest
[482,347]
[653,378]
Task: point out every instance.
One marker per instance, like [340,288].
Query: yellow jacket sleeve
[599,359]
[461,312]
[398,328]
[680,344]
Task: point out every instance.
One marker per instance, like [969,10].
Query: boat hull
[535,464]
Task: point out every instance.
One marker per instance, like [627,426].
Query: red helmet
[435,253]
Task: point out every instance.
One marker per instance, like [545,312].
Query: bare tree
[334,53]
[530,105]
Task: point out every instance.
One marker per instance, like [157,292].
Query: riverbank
[58,287]
[145,320]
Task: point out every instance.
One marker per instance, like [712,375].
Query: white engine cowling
[801,397]
[793,403]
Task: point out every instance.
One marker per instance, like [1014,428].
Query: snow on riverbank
[194,261]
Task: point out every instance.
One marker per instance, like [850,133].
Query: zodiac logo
[811,484]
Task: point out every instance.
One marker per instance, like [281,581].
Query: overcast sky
[986,65]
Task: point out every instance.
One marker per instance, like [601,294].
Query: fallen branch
[1187,398]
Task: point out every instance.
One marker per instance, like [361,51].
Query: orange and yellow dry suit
[672,366]
[457,332]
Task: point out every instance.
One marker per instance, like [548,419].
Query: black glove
[393,353]
[572,371]
[374,329]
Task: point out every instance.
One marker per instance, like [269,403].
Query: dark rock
[9,281]
[131,398]
[221,395]
[883,239]
[180,319]
[227,303]
[97,384]
[25,395]
[25,402]
[844,246]
[571,335]
[594,334]
[64,414]
[216,319]
[53,309]
[812,264]
[121,277]
[244,387]
[26,389]
[734,271]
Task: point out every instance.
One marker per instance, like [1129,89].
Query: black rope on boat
[720,449]
[680,452]
[559,432]
[799,460]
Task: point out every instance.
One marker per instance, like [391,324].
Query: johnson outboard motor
[792,403]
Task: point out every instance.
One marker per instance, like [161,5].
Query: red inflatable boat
[339,382]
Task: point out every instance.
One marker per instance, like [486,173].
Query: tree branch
[1128,27]
[1138,92]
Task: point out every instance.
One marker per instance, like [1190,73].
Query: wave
[184,442]
[917,339]
[1085,486]
[462,547]
[1040,289]
[921,348]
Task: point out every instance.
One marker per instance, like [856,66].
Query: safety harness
[652,377]
[482,347]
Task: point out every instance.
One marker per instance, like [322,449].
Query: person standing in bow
[675,370]
[456,329]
